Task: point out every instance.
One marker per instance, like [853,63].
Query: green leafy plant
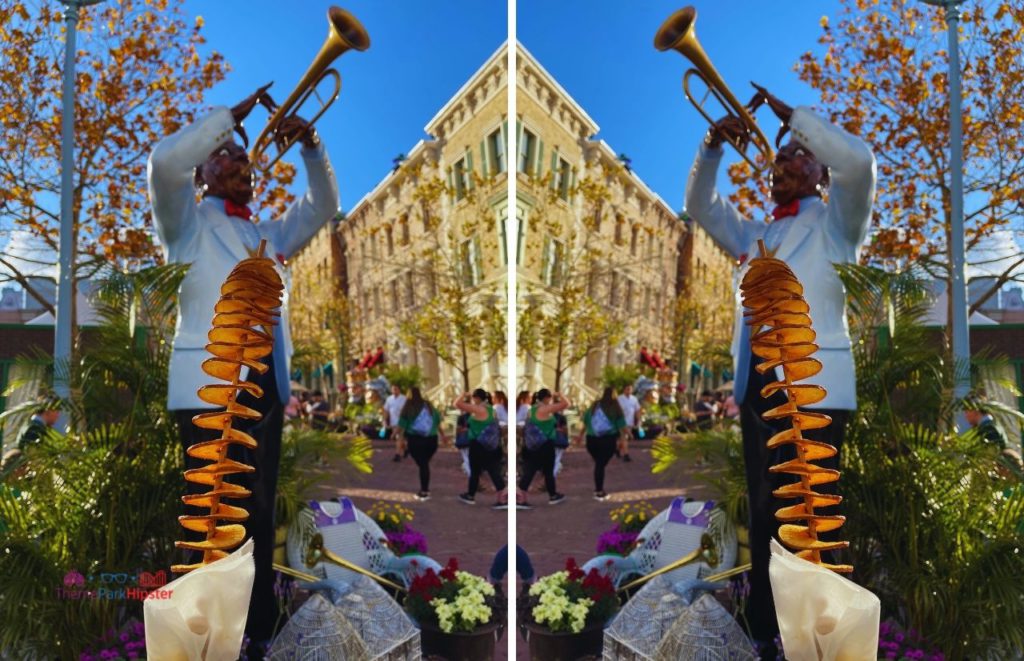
[933,529]
[310,455]
[404,376]
[619,377]
[106,497]
[715,457]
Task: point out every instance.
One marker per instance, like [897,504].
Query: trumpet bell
[678,32]
[344,33]
[674,32]
[350,32]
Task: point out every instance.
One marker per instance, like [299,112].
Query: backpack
[533,436]
[462,431]
[599,422]
[490,436]
[423,423]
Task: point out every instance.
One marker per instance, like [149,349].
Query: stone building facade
[584,214]
[438,214]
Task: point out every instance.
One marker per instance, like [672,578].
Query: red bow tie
[237,210]
[786,210]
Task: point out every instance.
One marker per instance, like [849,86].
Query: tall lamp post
[958,286]
[65,270]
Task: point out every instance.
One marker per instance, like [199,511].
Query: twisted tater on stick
[242,334]
[783,337]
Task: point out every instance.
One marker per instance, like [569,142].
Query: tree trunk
[465,366]
[558,366]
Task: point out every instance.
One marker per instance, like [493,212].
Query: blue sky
[601,52]
[420,54]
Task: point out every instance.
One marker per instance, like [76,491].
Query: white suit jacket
[213,243]
[819,236]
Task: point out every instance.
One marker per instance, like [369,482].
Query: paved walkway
[471,533]
[549,533]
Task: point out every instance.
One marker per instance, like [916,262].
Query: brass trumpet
[707,551]
[317,553]
[344,33]
[678,33]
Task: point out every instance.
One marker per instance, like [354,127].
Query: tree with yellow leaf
[884,76]
[139,78]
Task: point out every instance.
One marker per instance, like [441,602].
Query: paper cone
[822,616]
[204,617]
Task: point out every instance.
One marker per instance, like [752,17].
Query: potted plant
[623,537]
[457,613]
[394,520]
[565,613]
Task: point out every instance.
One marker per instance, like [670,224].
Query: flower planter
[546,645]
[475,645]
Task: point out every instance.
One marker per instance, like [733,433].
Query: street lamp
[65,279]
[958,284]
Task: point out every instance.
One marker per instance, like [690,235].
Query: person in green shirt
[420,425]
[603,424]
[542,416]
[481,458]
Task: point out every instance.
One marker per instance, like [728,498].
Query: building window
[527,152]
[613,291]
[394,295]
[647,301]
[503,237]
[496,145]
[405,229]
[629,296]
[521,237]
[409,294]
[460,178]
[366,306]
[551,266]
[377,311]
[390,239]
[563,177]
[471,271]
[620,222]
[632,241]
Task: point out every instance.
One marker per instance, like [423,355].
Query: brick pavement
[548,533]
[471,533]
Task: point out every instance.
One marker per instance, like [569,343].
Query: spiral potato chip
[250,298]
[783,337]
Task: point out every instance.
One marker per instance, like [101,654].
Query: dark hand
[294,127]
[729,128]
[781,110]
[242,110]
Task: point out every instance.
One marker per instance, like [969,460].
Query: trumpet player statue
[213,236]
[810,235]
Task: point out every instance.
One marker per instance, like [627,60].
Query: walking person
[419,423]
[630,407]
[603,424]
[392,411]
[539,442]
[484,442]
[501,408]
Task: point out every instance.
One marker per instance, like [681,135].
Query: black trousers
[602,449]
[760,611]
[482,460]
[263,611]
[540,459]
[422,448]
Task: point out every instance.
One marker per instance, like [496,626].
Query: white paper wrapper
[822,616]
[204,618]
